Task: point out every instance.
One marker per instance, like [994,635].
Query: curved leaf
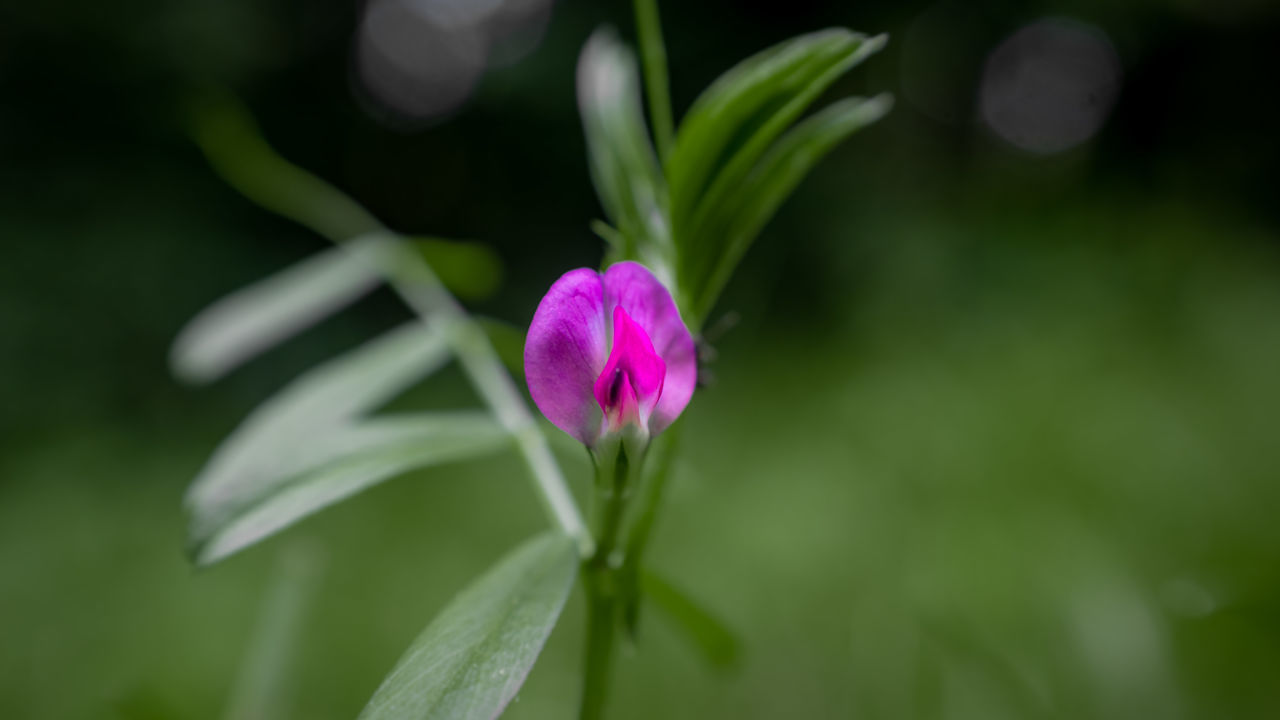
[623,164]
[472,659]
[732,125]
[776,176]
[743,100]
[508,342]
[235,147]
[712,638]
[819,73]
[470,270]
[270,311]
[339,464]
[278,439]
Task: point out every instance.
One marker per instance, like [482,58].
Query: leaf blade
[255,318]
[777,174]
[276,437]
[474,656]
[624,166]
[713,639]
[732,126]
[730,101]
[819,73]
[356,459]
[469,270]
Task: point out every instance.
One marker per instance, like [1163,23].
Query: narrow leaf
[623,164]
[609,234]
[732,125]
[818,74]
[344,462]
[713,639]
[507,341]
[470,270]
[267,680]
[235,147]
[653,52]
[472,659]
[741,100]
[777,175]
[258,317]
[279,437]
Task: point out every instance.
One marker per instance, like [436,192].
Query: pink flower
[607,352]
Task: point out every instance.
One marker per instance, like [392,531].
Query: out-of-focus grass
[1000,479]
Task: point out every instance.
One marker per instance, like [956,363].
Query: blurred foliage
[995,437]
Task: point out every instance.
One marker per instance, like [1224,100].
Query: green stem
[236,150]
[662,454]
[600,577]
[601,621]
[653,54]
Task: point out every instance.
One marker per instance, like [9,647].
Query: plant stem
[237,152]
[600,580]
[662,454]
[414,281]
[601,621]
[653,55]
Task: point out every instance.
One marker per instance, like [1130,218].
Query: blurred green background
[995,437]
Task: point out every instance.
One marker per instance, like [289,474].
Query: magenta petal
[631,286]
[565,351]
[630,385]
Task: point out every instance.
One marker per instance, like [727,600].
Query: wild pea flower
[608,357]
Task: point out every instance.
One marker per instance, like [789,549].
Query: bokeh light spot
[420,59]
[1050,86]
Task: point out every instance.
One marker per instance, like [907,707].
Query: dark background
[995,436]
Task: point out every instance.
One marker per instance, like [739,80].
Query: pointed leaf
[345,461]
[713,639]
[762,92]
[266,683]
[278,438]
[731,126]
[508,342]
[776,176]
[473,658]
[469,270]
[761,131]
[623,164]
[235,147]
[270,311]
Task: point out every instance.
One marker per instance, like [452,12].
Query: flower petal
[629,386]
[564,352]
[647,302]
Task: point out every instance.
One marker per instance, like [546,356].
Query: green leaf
[266,682]
[622,161]
[472,659]
[470,270]
[507,341]
[258,317]
[338,464]
[609,234]
[713,639]
[653,52]
[744,100]
[235,147]
[279,437]
[734,122]
[818,74]
[776,175]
